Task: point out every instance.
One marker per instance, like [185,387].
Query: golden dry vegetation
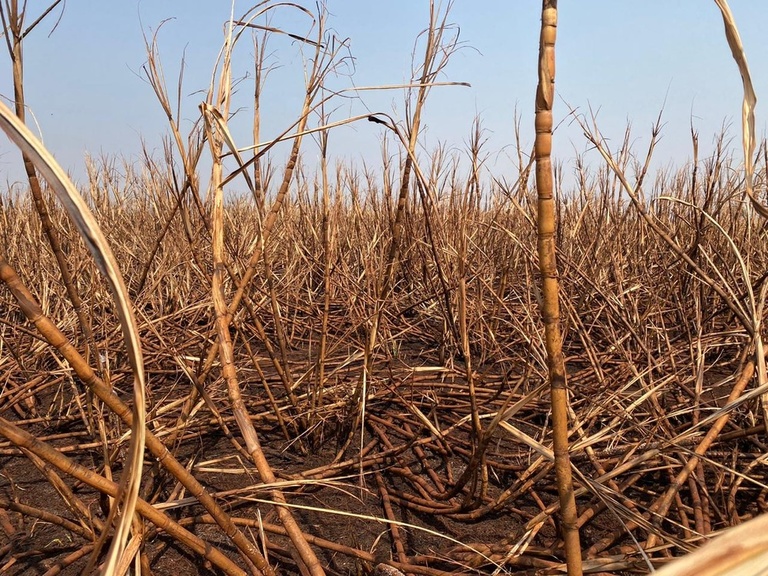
[366,349]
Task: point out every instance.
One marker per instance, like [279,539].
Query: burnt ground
[491,520]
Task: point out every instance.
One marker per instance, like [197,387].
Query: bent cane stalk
[56,338]
[550,286]
[96,243]
[50,455]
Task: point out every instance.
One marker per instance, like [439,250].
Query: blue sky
[85,87]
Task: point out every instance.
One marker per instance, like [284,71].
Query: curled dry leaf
[749,102]
[102,254]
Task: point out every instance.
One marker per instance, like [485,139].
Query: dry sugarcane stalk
[105,260]
[58,340]
[49,454]
[213,109]
[16,32]
[550,286]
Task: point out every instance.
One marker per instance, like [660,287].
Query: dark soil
[476,529]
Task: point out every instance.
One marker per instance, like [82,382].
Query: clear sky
[625,59]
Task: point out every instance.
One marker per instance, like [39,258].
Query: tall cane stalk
[550,306]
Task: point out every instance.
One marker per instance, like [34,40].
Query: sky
[89,96]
